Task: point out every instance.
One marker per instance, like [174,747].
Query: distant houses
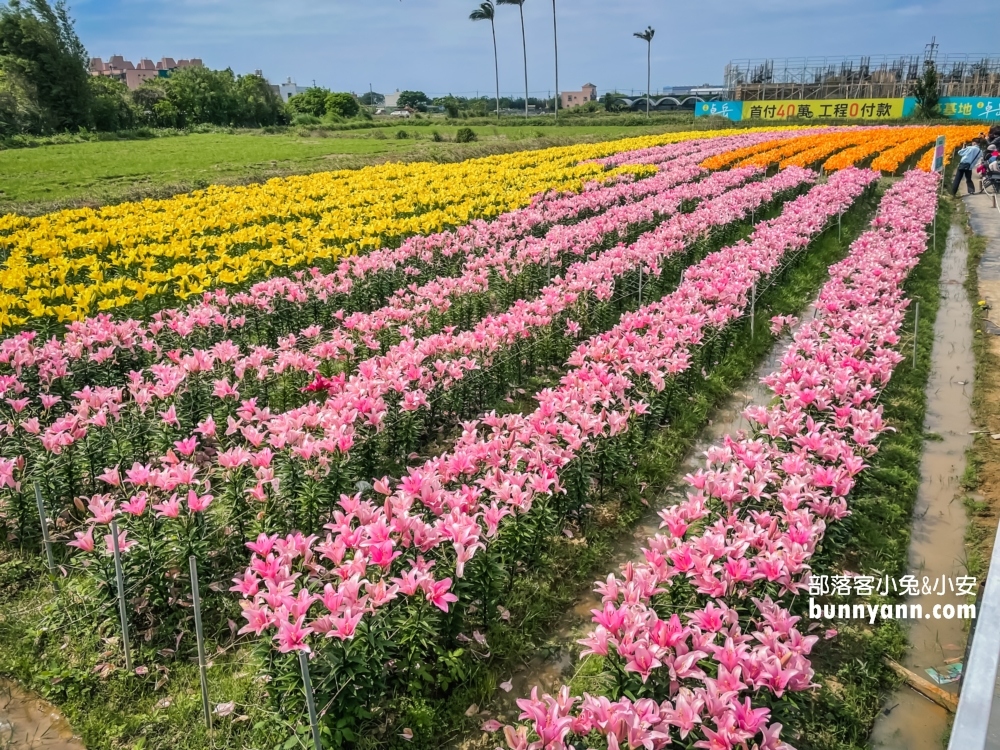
[570,99]
[133,75]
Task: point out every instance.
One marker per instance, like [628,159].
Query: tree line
[46,86]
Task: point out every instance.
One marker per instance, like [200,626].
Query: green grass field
[97,172]
[82,169]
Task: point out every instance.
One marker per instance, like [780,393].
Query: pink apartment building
[570,99]
[134,76]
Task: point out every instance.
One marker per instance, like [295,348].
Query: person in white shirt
[968,157]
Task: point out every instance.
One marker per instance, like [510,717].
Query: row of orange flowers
[891,147]
[817,148]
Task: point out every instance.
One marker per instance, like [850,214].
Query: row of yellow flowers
[69,264]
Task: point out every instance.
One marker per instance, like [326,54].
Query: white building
[391,100]
[288,89]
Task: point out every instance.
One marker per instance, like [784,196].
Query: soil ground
[982,478]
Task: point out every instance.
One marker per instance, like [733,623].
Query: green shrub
[312,101]
[305,119]
[465,135]
[402,135]
[341,104]
[436,137]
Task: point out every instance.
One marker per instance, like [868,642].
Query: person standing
[968,157]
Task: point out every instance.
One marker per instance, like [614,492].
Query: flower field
[373,407]
[73,263]
[739,547]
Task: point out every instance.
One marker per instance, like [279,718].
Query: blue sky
[432,46]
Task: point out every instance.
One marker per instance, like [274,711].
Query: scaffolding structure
[863,77]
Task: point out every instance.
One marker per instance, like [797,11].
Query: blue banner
[730,110]
[971,107]
[982,108]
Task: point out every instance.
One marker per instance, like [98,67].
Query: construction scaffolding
[865,77]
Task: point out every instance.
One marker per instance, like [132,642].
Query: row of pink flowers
[315,344]
[102,338]
[254,425]
[751,523]
[402,378]
[405,377]
[501,465]
[654,154]
[416,306]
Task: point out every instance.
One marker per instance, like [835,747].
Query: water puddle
[939,518]
[28,722]
[550,672]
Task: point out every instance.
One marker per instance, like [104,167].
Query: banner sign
[730,110]
[822,110]
[825,109]
[983,108]
[970,107]
[939,154]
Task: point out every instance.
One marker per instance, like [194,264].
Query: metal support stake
[640,285]
[916,329]
[122,610]
[199,632]
[43,518]
[935,230]
[838,226]
[753,307]
[310,700]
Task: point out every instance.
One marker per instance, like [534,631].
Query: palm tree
[487,12]
[555,36]
[647,37]
[524,47]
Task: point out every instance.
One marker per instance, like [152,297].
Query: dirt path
[984,220]
[939,517]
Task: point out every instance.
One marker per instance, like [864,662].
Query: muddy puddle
[552,671]
[28,722]
[939,519]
